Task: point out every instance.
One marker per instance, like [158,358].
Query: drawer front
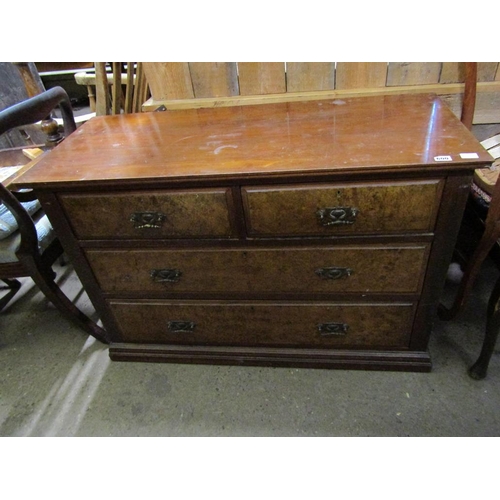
[322,209]
[150,214]
[369,269]
[256,323]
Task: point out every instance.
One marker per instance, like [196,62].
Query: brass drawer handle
[333,329]
[334,273]
[337,216]
[165,275]
[181,326]
[153,220]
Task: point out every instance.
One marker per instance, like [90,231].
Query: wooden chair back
[120,87]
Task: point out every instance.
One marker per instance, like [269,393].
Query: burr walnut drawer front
[370,268]
[259,324]
[198,213]
[350,208]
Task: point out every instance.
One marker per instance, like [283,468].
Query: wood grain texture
[169,80]
[373,269]
[487,108]
[382,208]
[195,213]
[257,299]
[261,77]
[414,361]
[351,135]
[360,75]
[413,73]
[212,79]
[116,89]
[308,76]
[265,324]
[453,72]
[485,113]
[102,90]
[486,71]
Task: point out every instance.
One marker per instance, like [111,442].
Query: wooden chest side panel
[381,208]
[265,324]
[185,214]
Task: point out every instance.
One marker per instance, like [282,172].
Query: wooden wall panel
[214,79]
[452,72]
[413,73]
[169,80]
[486,71]
[360,75]
[261,78]
[200,85]
[309,76]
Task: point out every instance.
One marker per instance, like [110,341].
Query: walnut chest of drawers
[310,234]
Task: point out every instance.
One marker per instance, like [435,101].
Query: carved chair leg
[52,291]
[13,286]
[479,369]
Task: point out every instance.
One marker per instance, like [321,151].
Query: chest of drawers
[310,234]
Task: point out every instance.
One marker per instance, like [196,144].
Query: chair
[119,87]
[488,223]
[29,247]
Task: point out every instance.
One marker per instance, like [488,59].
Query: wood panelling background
[209,84]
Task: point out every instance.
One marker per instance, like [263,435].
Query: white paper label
[469,156]
[442,158]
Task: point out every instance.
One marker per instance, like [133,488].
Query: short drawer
[200,213]
[259,323]
[325,209]
[367,269]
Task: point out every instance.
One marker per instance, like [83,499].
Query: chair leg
[479,369]
[470,275]
[51,290]
[13,286]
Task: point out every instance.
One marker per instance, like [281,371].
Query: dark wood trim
[272,178]
[249,356]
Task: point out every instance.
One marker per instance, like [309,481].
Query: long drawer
[200,213]
[265,324]
[367,269]
[350,208]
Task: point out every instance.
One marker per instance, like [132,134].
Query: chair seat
[10,245]
[8,224]
[481,198]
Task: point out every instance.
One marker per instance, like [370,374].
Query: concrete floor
[57,381]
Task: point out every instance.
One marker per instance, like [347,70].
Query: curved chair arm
[39,108]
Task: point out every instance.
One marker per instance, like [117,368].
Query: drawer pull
[181,326]
[337,216]
[334,273]
[153,220]
[165,275]
[336,329]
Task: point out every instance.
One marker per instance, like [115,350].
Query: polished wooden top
[364,133]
